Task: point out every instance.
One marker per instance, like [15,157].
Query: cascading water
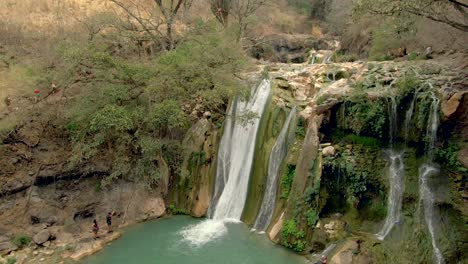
[277,155]
[396,172]
[395,198]
[409,115]
[235,157]
[425,171]
[327,59]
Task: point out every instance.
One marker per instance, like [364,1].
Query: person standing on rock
[95,229]
[109,222]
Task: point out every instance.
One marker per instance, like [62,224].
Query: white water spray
[426,170]
[395,198]
[396,171]
[277,155]
[235,158]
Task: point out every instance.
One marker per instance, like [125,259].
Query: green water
[160,242]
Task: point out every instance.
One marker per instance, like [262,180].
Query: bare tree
[241,10]
[450,12]
[169,11]
[220,9]
[151,18]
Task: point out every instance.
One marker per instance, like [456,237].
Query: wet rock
[7,247]
[329,151]
[42,237]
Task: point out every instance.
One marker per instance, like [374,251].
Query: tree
[152,17]
[450,12]
[220,9]
[240,10]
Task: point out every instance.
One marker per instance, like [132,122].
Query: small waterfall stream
[427,170]
[396,171]
[277,155]
[395,198]
[235,158]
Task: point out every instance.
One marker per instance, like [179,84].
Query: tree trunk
[170,41]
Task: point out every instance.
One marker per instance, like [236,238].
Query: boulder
[42,237]
[329,151]
[451,106]
[463,157]
[7,247]
[154,208]
[345,257]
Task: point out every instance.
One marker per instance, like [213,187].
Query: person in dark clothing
[109,222]
[95,229]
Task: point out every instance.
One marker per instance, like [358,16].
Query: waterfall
[277,155]
[328,58]
[409,115]
[235,158]
[392,113]
[426,170]
[395,198]
[314,58]
[396,172]
[427,198]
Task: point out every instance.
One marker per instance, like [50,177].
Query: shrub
[292,236]
[312,217]
[175,210]
[21,240]
[447,157]
[407,85]
[287,180]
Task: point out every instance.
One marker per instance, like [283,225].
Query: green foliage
[137,113]
[21,240]
[407,85]
[11,260]
[357,174]
[176,211]
[287,180]
[202,68]
[303,6]
[341,56]
[363,116]
[301,127]
[389,37]
[448,157]
[312,217]
[361,140]
[291,232]
[169,115]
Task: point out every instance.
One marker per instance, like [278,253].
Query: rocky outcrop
[329,151]
[450,106]
[42,237]
[6,247]
[287,48]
